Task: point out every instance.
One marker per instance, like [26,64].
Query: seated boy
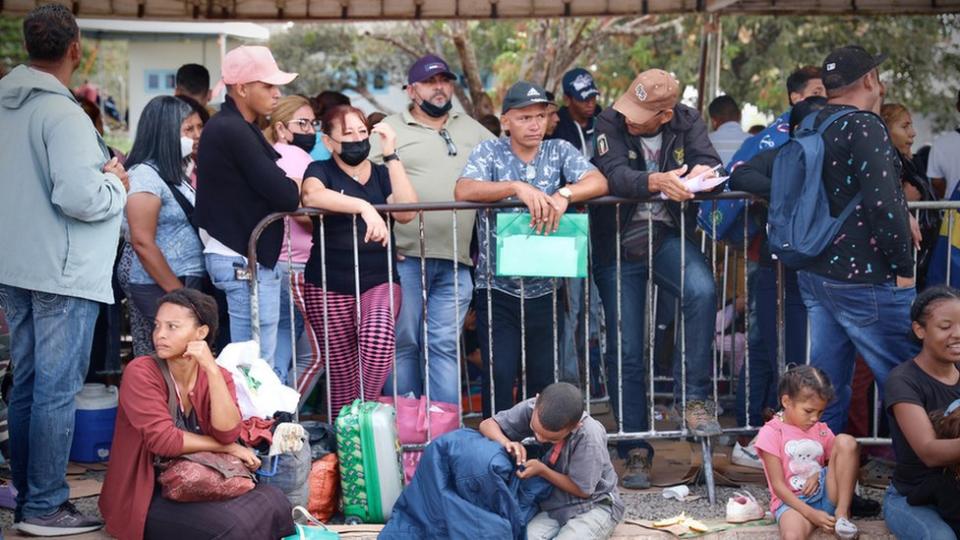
[585,503]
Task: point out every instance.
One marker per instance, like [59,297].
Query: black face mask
[435,111]
[353,153]
[305,141]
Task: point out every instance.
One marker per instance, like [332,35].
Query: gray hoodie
[59,214]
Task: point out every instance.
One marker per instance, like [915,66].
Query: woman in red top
[208,419]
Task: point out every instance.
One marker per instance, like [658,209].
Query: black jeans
[506,333]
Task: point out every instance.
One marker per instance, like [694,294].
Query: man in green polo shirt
[433,142]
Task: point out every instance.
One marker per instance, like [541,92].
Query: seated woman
[927,383]
[208,420]
[360,352]
[168,252]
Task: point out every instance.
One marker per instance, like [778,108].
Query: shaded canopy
[284,10]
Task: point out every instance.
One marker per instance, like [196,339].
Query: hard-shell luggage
[370,472]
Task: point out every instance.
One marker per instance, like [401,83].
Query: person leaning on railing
[645,142]
[349,184]
[524,166]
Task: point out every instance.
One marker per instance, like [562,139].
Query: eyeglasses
[306,123]
[451,147]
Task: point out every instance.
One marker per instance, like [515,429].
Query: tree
[759,52]
[336,57]
[922,71]
[11,43]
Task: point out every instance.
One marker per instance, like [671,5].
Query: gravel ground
[644,505]
[639,505]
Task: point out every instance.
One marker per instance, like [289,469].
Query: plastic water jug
[95,417]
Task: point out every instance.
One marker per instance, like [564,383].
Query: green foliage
[334,57]
[11,43]
[922,71]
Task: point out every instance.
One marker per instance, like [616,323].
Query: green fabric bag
[314,530]
[522,252]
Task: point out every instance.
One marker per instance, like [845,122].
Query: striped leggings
[360,356]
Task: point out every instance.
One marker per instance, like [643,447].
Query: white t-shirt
[945,160]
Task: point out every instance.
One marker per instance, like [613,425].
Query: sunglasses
[305,123]
[451,147]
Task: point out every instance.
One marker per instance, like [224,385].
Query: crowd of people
[381,297]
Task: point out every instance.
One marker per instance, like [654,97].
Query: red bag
[204,476]
[324,487]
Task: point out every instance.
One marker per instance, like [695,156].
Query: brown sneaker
[701,418]
[636,474]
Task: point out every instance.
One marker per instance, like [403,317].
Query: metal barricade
[723,259]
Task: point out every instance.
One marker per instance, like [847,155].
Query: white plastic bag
[259,391]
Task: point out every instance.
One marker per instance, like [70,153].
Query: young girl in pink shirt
[811,473]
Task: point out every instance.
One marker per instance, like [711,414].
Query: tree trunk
[460,32]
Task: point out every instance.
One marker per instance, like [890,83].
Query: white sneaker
[846,529]
[746,457]
[742,507]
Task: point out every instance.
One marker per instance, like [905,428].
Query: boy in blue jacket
[585,502]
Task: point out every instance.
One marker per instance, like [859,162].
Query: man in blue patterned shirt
[523,166]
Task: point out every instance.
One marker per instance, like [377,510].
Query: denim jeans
[283,353]
[50,340]
[221,269]
[443,328]
[508,344]
[764,373]
[846,318]
[699,311]
[573,327]
[913,522]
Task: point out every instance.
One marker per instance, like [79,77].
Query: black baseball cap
[845,65]
[523,94]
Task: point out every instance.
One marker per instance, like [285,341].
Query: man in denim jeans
[60,207]
[434,143]
[859,290]
[645,142]
[238,184]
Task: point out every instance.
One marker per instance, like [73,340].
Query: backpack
[799,225]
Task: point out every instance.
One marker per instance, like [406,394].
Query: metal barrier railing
[721,371]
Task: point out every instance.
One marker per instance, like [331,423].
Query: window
[159,81]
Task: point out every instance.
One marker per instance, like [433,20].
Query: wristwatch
[390,157]
[565,193]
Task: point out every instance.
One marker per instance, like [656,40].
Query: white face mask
[186,146]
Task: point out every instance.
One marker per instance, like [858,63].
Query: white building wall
[146,56]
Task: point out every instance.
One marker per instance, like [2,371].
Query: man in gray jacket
[61,200]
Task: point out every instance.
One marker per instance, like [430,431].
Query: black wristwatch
[390,157]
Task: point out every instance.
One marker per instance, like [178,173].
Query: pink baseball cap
[252,63]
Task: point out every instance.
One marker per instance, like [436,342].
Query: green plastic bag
[522,252]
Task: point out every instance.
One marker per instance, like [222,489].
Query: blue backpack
[724,219]
[799,225]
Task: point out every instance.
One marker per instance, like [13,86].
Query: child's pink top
[801,453]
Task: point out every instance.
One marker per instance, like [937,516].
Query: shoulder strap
[171,391]
[184,203]
[832,118]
